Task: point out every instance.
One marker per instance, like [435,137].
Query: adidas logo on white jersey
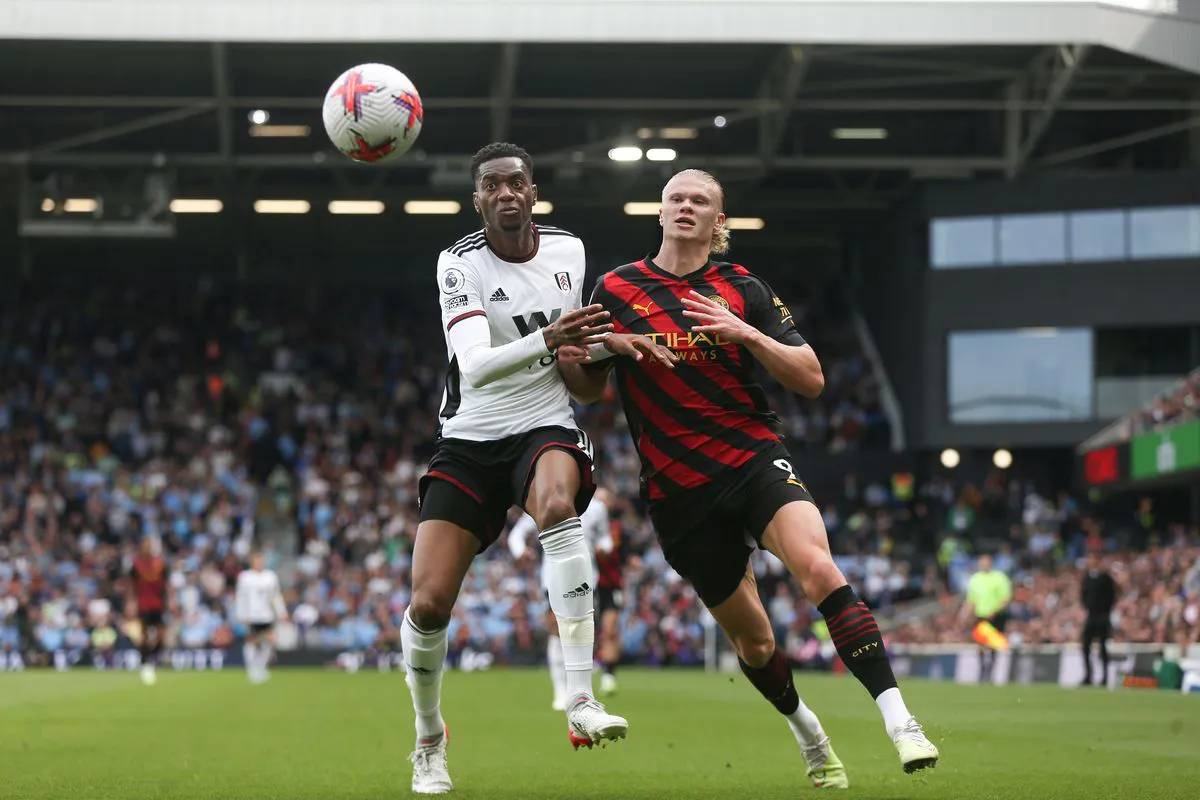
[498,296]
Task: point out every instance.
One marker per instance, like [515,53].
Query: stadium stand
[207,412]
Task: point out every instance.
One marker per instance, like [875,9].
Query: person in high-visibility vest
[989,591]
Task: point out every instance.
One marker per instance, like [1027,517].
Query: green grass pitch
[329,735]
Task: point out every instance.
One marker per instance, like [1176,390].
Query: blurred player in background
[595,528]
[989,591]
[260,608]
[716,475]
[510,301]
[610,583]
[148,593]
[1099,596]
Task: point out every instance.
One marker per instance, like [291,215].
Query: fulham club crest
[564,281]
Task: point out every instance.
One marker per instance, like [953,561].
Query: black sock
[774,682]
[610,668]
[858,640]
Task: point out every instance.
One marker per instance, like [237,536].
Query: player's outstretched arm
[586,385]
[469,333]
[794,365]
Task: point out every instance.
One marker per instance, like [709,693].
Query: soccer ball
[373,113]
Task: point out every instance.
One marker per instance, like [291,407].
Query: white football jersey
[259,598]
[517,298]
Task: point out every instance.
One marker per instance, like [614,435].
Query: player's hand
[583,326]
[572,354]
[637,346]
[715,318]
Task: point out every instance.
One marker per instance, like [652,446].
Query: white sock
[424,655]
[570,576]
[805,725]
[250,657]
[895,713]
[558,668]
[264,657]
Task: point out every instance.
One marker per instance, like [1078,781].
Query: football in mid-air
[373,113]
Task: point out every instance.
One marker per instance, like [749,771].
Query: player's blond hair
[720,236]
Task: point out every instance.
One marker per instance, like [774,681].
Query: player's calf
[797,536]
[570,578]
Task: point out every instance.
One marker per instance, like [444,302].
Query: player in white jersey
[259,607]
[510,297]
[596,530]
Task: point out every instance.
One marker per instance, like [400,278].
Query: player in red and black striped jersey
[149,592]
[716,475]
[610,585]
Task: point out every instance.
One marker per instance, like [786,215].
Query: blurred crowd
[1179,404]
[1158,601]
[216,418]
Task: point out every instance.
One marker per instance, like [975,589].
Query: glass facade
[1120,234]
[1020,375]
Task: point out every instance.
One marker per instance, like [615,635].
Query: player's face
[691,209]
[505,194]
[256,562]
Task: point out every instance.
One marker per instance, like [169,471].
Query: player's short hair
[499,150]
[720,236]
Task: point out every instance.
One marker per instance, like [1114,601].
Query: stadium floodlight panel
[660,154]
[196,205]
[281,206]
[626,153]
[279,131]
[745,223]
[679,133]
[47,205]
[667,133]
[543,207]
[643,209]
[80,205]
[432,207]
[356,207]
[859,133]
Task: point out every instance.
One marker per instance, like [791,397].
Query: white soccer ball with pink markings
[373,113]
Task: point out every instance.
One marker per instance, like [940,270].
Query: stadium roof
[948,109]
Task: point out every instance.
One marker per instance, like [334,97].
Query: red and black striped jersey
[708,414]
[610,566]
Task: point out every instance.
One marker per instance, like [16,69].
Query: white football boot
[915,750]
[431,775]
[589,724]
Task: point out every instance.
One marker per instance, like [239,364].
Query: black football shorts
[708,533]
[609,599]
[474,484]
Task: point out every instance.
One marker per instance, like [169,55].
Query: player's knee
[756,649]
[820,576]
[556,506]
[429,611]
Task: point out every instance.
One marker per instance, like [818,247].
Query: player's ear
[475,202]
[533,186]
